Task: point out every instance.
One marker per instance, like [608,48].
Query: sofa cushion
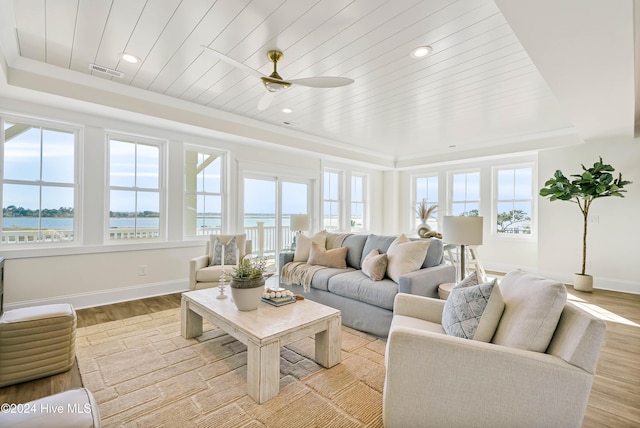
[434,254]
[303,245]
[405,256]
[356,285]
[320,279]
[355,245]
[533,306]
[374,265]
[473,311]
[334,258]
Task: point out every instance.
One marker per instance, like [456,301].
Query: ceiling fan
[275,83]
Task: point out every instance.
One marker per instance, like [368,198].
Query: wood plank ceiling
[477,89]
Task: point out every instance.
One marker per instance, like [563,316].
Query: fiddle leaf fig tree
[582,189]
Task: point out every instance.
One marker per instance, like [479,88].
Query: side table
[445,289]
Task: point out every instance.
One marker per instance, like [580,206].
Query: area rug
[143,373]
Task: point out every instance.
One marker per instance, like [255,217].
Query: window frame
[75,185]
[162,197]
[496,201]
[450,190]
[415,200]
[339,201]
[364,203]
[223,194]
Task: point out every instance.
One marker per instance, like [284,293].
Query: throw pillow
[374,265]
[335,258]
[303,245]
[473,311]
[533,306]
[405,256]
[230,251]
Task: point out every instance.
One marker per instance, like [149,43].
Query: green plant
[250,269]
[595,182]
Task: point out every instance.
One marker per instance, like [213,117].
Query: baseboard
[106,297]
[599,282]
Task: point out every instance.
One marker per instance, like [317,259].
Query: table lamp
[462,230]
[299,223]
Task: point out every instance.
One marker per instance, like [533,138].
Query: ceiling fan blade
[232,62]
[322,81]
[266,100]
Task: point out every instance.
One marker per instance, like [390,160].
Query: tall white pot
[247,294]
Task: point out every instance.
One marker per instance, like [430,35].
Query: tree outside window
[514,203]
[38,183]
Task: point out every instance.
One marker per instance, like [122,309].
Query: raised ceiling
[478,91]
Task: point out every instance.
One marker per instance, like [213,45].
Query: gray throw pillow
[230,251]
[473,311]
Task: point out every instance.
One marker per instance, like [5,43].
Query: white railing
[263,237]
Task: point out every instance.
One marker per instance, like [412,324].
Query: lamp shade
[299,222]
[462,230]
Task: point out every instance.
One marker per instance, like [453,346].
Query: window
[514,202]
[38,183]
[358,202]
[204,195]
[134,183]
[426,189]
[465,193]
[332,202]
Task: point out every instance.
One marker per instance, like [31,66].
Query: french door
[269,203]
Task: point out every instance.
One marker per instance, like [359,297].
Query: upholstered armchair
[438,380]
[202,274]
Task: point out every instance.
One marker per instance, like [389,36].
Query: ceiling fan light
[274,86]
[421,51]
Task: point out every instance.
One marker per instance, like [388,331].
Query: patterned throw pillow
[473,311]
[374,265]
[230,251]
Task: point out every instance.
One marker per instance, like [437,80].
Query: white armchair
[202,275]
[438,380]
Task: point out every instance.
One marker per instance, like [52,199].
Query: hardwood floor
[614,398]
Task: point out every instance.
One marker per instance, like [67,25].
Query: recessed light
[421,51]
[130,58]
[287,110]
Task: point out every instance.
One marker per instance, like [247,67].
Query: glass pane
[432,190]
[148,215]
[473,186]
[457,208]
[459,187]
[260,214]
[331,185]
[21,152]
[356,189]
[209,214]
[330,220]
[122,206]
[148,164]
[422,188]
[505,184]
[211,177]
[472,209]
[191,176]
[122,162]
[20,210]
[58,156]
[523,182]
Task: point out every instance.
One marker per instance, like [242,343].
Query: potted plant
[595,182]
[247,283]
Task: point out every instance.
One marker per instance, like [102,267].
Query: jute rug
[143,373]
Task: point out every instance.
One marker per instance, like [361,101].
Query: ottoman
[35,342]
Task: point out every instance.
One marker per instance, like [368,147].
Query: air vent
[106,70]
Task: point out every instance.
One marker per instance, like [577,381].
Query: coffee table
[264,331]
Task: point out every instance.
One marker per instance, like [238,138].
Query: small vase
[423,228]
[246,294]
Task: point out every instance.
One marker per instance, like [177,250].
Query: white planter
[247,299]
[583,282]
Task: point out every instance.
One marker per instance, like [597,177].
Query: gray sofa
[367,305]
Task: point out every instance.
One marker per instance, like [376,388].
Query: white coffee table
[264,331]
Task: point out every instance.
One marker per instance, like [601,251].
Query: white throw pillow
[533,306]
[405,256]
[303,245]
[473,311]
